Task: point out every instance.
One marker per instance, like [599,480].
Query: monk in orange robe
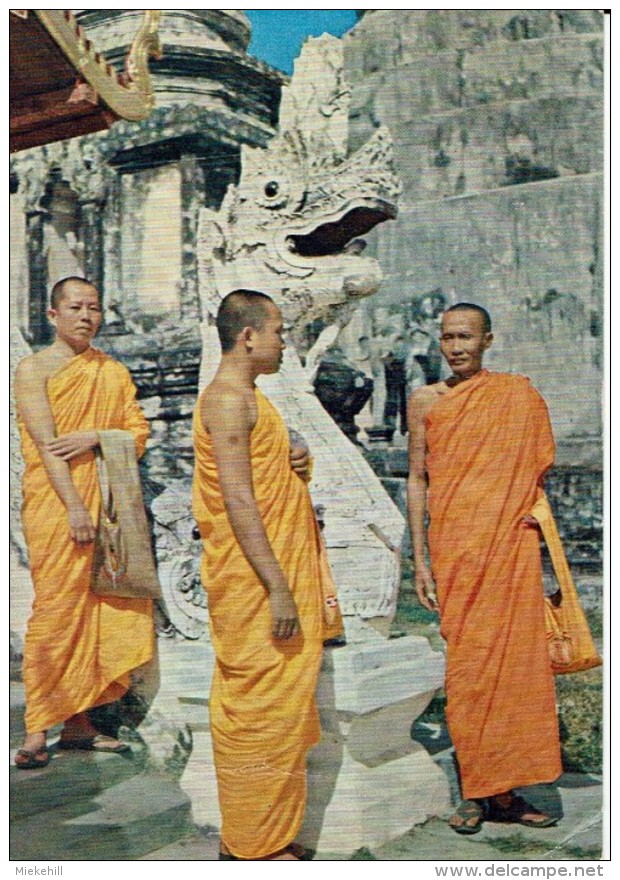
[79,647]
[483,442]
[266,579]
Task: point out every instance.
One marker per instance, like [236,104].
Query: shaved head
[241,308]
[472,307]
[60,288]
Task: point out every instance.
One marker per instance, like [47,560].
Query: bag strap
[107,501]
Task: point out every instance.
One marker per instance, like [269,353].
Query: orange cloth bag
[571,648]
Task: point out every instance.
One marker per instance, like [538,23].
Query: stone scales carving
[285,229]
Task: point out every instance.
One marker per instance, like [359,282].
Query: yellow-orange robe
[489,442]
[79,647]
[262,705]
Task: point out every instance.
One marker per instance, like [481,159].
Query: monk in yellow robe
[79,647]
[266,579]
[483,442]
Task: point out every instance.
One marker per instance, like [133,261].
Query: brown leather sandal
[467,811]
[515,812]
[33,760]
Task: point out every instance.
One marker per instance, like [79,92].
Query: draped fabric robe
[489,442]
[262,705]
[79,647]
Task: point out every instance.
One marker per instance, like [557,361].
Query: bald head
[241,308]
[473,307]
[61,288]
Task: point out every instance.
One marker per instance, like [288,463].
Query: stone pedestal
[368,781]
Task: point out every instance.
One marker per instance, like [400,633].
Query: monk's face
[78,316]
[464,342]
[267,343]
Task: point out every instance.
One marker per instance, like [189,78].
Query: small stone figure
[426,322]
[342,389]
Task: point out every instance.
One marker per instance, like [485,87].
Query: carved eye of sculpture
[274,191]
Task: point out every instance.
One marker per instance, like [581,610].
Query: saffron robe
[489,442]
[262,706]
[79,648]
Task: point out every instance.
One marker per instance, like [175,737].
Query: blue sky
[277,34]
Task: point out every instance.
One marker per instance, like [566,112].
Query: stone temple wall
[497,121]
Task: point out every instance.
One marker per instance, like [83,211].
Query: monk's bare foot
[34,742]
[468,818]
[33,754]
[80,734]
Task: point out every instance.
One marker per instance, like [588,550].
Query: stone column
[91,235]
[38,326]
[112,242]
[192,199]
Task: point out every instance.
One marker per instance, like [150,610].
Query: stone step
[87,806]
[384,39]
[554,67]
[481,148]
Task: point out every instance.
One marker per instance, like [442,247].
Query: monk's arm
[36,412]
[416,498]
[230,433]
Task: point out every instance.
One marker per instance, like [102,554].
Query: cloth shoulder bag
[123,563]
[571,647]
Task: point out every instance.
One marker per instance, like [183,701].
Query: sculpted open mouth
[340,235]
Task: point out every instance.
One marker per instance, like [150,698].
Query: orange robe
[489,443]
[262,705]
[79,647]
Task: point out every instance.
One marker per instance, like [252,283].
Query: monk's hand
[300,461]
[285,622]
[425,587]
[529,520]
[69,446]
[81,524]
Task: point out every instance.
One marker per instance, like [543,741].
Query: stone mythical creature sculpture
[290,228]
[290,225]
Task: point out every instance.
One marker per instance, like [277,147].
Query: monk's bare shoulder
[423,398]
[34,370]
[225,403]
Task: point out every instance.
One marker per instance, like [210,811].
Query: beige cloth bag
[123,563]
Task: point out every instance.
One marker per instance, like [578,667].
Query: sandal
[516,810]
[98,743]
[34,760]
[466,812]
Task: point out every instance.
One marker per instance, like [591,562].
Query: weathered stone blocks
[530,255]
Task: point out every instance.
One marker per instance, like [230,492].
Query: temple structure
[61,86]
